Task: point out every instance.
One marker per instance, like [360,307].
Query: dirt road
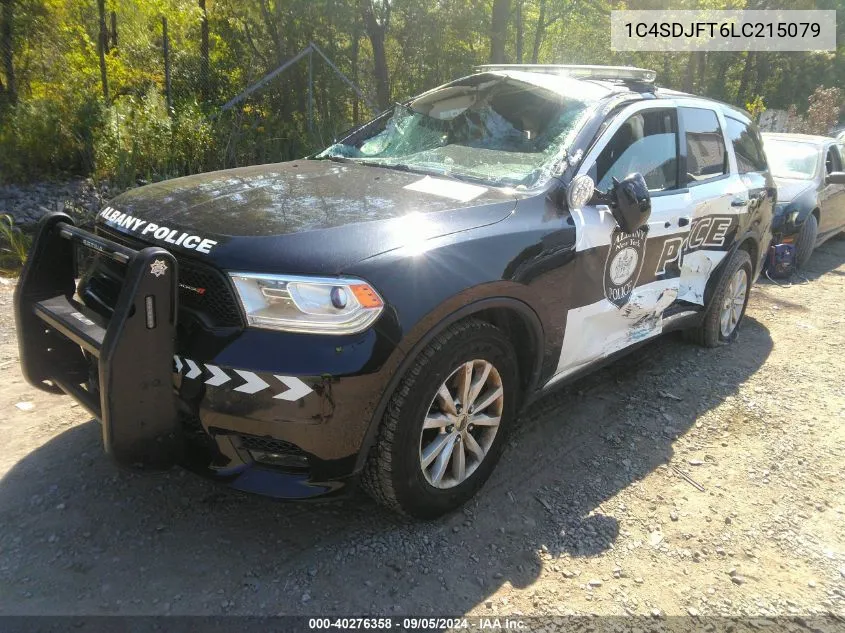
[585,513]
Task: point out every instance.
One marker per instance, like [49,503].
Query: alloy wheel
[461,424]
[734,302]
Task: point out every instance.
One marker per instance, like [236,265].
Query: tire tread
[377,475]
[708,334]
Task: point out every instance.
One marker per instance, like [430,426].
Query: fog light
[280,460]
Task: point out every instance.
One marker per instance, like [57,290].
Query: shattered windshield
[499,131]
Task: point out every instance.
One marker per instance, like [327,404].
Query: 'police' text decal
[708,232]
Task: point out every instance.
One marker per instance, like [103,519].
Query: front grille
[203,289]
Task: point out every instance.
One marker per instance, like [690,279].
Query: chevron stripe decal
[288,388]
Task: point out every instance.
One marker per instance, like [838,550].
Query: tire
[394,474]
[709,333]
[806,241]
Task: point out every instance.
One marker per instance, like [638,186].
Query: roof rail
[619,73]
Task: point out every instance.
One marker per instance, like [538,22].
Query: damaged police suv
[381,312]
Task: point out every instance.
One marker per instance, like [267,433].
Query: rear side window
[706,157]
[747,146]
[832,162]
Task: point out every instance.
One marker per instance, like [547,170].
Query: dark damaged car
[810,179]
[382,312]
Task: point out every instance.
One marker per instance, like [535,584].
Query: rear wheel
[445,424]
[727,308]
[806,241]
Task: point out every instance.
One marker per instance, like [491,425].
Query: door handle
[683,221]
[739,202]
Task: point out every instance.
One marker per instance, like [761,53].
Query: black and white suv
[383,310]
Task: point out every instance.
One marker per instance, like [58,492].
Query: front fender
[433,324]
[783,225]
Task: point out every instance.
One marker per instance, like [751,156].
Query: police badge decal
[623,265]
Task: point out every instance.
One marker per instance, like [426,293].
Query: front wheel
[806,241]
[727,308]
[445,424]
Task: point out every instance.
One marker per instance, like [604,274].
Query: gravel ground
[677,481]
[81,198]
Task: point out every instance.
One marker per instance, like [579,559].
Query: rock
[692,611]
[673,515]
[25,406]
[737,580]
[655,538]
[595,583]
[306,597]
[811,584]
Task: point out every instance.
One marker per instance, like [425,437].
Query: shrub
[139,139]
[46,137]
[15,245]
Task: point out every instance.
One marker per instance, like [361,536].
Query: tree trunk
[165,43]
[205,85]
[745,81]
[690,75]
[376,32]
[519,32]
[7,50]
[702,66]
[356,37]
[113,29]
[538,33]
[102,47]
[762,68]
[719,84]
[499,30]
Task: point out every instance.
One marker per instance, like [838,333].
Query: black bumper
[131,389]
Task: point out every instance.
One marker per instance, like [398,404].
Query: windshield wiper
[338,159]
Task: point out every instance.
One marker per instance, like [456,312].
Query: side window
[831,161]
[747,147]
[646,143]
[706,156]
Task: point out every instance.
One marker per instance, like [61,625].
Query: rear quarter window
[706,155]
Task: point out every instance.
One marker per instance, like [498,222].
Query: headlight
[313,305]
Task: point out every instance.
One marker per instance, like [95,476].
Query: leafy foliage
[390,48]
[13,245]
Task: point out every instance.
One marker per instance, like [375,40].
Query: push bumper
[285,415]
[130,389]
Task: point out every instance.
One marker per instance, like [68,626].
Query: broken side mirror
[835,178]
[630,202]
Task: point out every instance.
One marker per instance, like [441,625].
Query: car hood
[304,216]
[791,188]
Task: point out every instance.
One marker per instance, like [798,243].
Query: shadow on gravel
[80,536]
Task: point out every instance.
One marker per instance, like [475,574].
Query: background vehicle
[808,171]
[386,311]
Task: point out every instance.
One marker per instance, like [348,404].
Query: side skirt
[673,323]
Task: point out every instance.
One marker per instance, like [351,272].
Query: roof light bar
[628,73]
